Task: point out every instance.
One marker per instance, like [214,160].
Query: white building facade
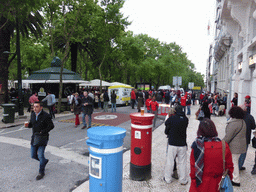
[234,54]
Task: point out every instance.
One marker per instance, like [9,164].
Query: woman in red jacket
[206,161]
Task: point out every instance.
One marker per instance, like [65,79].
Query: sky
[182,21]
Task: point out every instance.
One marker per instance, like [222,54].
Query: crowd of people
[206,158]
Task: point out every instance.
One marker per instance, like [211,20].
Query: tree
[30,22]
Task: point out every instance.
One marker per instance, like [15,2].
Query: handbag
[225,184]
[197,113]
[254,142]
[40,140]
[201,115]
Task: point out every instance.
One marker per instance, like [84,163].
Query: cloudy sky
[182,21]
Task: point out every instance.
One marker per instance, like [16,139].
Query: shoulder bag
[40,140]
[225,184]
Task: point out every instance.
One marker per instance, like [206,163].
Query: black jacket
[88,109]
[176,129]
[42,125]
[250,124]
[106,97]
[113,98]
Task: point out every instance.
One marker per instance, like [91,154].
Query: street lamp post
[20,95]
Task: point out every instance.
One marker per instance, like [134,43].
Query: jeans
[99,104]
[132,103]
[155,118]
[188,108]
[38,154]
[113,106]
[51,111]
[106,106]
[242,158]
[89,119]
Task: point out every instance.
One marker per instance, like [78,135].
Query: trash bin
[16,102]
[141,142]
[9,112]
[106,158]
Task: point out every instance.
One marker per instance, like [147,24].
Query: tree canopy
[90,35]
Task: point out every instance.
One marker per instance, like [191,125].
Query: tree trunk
[5,38]
[100,70]
[73,49]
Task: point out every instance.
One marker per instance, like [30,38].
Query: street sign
[190,85]
[174,80]
[179,80]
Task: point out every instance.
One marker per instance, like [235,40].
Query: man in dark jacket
[87,108]
[106,100]
[41,123]
[113,101]
[176,131]
[250,125]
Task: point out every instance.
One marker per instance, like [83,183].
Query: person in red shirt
[148,101]
[154,109]
[201,98]
[133,98]
[32,99]
[183,101]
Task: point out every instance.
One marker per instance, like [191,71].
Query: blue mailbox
[106,158]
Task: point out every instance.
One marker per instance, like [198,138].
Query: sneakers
[235,184]
[175,175]
[40,175]
[167,181]
[242,168]
[253,171]
[83,127]
[184,183]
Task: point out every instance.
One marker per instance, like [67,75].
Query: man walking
[176,131]
[50,98]
[41,124]
[87,108]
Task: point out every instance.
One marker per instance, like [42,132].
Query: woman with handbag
[206,161]
[76,103]
[236,139]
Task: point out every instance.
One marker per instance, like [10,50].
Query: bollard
[141,141]
[105,158]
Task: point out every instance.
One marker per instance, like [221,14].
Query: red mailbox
[141,141]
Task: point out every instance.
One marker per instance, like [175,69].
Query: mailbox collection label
[95,167]
[137,135]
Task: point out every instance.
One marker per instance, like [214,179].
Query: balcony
[222,43]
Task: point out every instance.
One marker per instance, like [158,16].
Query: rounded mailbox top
[164,105]
[146,115]
[106,133]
